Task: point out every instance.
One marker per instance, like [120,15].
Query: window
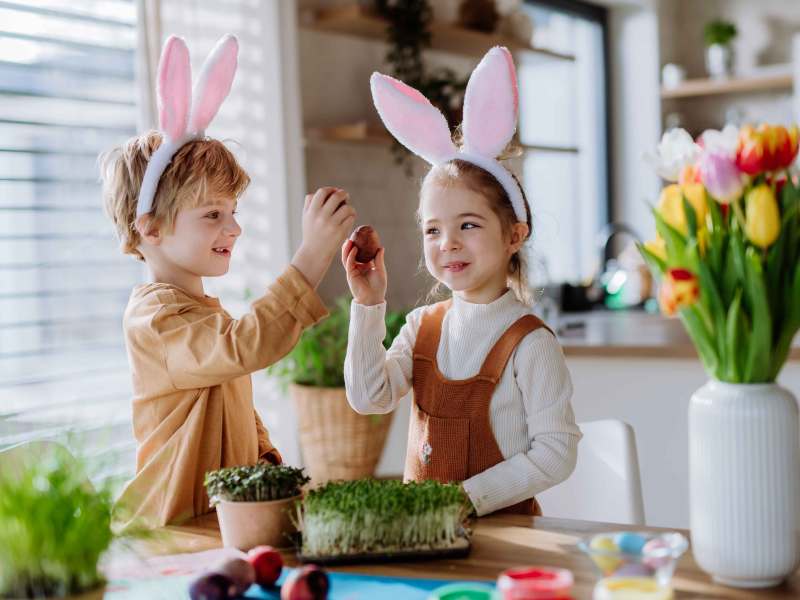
[67,93]
[563,128]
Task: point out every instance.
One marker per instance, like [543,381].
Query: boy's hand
[327,220]
[367,281]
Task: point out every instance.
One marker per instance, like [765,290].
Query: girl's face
[464,243]
[202,242]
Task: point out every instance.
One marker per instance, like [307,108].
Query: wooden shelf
[353,20]
[349,133]
[362,133]
[696,88]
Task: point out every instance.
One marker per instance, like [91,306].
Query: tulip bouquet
[728,246]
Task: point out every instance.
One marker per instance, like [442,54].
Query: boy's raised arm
[202,348]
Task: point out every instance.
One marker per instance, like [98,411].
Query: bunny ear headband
[491,104]
[184,114]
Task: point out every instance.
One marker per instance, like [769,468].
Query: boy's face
[202,240]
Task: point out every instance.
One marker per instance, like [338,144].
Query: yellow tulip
[762,216]
[670,205]
[696,195]
[658,247]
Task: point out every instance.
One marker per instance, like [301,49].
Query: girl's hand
[367,281]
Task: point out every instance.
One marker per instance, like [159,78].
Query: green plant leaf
[318,357]
[656,264]
[675,241]
[54,527]
[717,241]
[696,328]
[737,250]
[254,483]
[790,201]
[717,221]
[727,273]
[790,327]
[691,218]
[734,330]
[757,365]
[710,299]
[775,260]
[719,32]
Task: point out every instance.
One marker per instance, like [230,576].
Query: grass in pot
[54,528]
[254,503]
[373,520]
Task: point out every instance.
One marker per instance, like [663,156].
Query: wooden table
[500,542]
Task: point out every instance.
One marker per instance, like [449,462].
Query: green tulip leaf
[758,355]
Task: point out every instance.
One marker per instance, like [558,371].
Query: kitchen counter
[628,333]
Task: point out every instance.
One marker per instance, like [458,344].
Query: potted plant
[336,442]
[718,36]
[728,256]
[347,521]
[254,503]
[54,526]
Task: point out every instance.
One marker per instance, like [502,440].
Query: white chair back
[605,485]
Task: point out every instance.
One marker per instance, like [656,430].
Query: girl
[491,389]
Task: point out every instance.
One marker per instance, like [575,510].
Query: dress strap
[498,356]
[430,330]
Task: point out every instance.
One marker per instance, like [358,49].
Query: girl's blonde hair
[473,177]
[198,167]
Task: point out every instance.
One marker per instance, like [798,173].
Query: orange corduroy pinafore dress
[450,435]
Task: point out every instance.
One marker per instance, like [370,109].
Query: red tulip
[767,148]
[679,289]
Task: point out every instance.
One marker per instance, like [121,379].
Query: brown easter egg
[366,239]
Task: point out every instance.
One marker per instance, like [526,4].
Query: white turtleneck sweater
[530,411]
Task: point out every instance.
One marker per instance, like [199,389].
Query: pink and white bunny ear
[491,103]
[214,82]
[174,88]
[412,119]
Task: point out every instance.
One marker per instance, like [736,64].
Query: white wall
[635,113]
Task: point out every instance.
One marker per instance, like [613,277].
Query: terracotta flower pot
[245,525]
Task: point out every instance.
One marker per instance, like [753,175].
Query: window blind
[67,93]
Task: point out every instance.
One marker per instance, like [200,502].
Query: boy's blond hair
[198,167]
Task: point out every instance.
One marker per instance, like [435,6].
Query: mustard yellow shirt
[192,395]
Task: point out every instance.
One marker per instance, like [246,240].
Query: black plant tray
[460,549]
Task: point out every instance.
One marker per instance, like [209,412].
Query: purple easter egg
[212,586]
[635,570]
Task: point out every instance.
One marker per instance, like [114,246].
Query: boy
[190,361]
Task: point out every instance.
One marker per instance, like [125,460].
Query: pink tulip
[722,178]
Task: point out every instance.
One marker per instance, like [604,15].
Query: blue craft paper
[344,586]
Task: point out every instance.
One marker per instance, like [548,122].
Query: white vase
[719,60]
[744,482]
